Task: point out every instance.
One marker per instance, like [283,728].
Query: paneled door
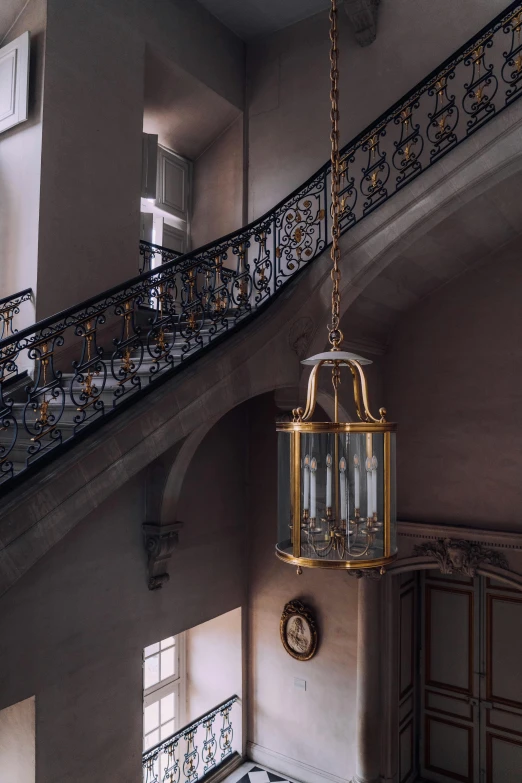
[407,680]
[471,681]
[450,679]
[501,685]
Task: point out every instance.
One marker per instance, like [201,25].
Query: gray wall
[20,156]
[77,622]
[218,187]
[453,381]
[288,84]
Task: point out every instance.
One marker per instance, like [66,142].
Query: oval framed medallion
[298,631]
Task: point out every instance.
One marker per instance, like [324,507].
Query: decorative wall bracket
[301,335]
[363,19]
[460,557]
[160,541]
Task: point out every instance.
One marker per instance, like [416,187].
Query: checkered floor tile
[260,775]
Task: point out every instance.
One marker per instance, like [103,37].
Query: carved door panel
[407,677]
[449,748]
[501,685]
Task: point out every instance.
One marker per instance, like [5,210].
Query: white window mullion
[164,692]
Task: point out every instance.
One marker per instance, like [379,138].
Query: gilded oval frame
[297,609]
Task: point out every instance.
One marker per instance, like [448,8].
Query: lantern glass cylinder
[337,494]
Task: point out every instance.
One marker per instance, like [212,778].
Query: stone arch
[177,472]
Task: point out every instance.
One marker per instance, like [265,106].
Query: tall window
[163,689]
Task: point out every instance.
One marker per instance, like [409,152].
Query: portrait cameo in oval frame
[298,631]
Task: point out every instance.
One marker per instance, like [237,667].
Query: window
[163,689]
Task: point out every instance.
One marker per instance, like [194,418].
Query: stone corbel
[160,541]
[362,15]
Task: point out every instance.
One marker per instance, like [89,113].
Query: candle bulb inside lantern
[375,465]
[357,483]
[306,483]
[328,481]
[342,484]
[313,473]
[369,487]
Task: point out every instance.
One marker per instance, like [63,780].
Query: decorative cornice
[497,539]
[460,557]
[160,541]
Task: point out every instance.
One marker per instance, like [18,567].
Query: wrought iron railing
[9,309]
[194,751]
[87,361]
[152,256]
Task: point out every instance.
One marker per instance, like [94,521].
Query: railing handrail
[12,297]
[190,726]
[421,86]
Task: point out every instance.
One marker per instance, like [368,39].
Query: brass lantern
[337,479]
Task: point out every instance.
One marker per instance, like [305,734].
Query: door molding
[412,535]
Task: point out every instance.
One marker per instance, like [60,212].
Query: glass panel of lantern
[342,496]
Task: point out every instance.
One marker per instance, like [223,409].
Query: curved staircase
[65,376]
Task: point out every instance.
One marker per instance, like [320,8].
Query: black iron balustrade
[152,256]
[86,362]
[9,309]
[194,751]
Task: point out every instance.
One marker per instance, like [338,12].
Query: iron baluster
[443,120]
[408,150]
[376,172]
[347,192]
[226,733]
[480,91]
[512,68]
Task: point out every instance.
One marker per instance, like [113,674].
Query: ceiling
[250,18]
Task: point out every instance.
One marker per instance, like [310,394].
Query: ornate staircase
[61,378]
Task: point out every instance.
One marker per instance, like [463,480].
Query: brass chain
[335,334]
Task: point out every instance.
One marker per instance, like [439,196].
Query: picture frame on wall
[298,631]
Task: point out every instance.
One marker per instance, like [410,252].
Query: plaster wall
[17,742]
[91,155]
[191,37]
[292,728]
[20,159]
[92,126]
[79,621]
[452,379]
[214,666]
[289,93]
[218,187]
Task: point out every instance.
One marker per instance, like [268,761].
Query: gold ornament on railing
[337,479]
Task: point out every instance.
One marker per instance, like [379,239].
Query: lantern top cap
[330,357]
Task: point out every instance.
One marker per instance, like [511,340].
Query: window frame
[175,684]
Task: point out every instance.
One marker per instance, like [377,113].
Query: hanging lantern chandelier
[336,479]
